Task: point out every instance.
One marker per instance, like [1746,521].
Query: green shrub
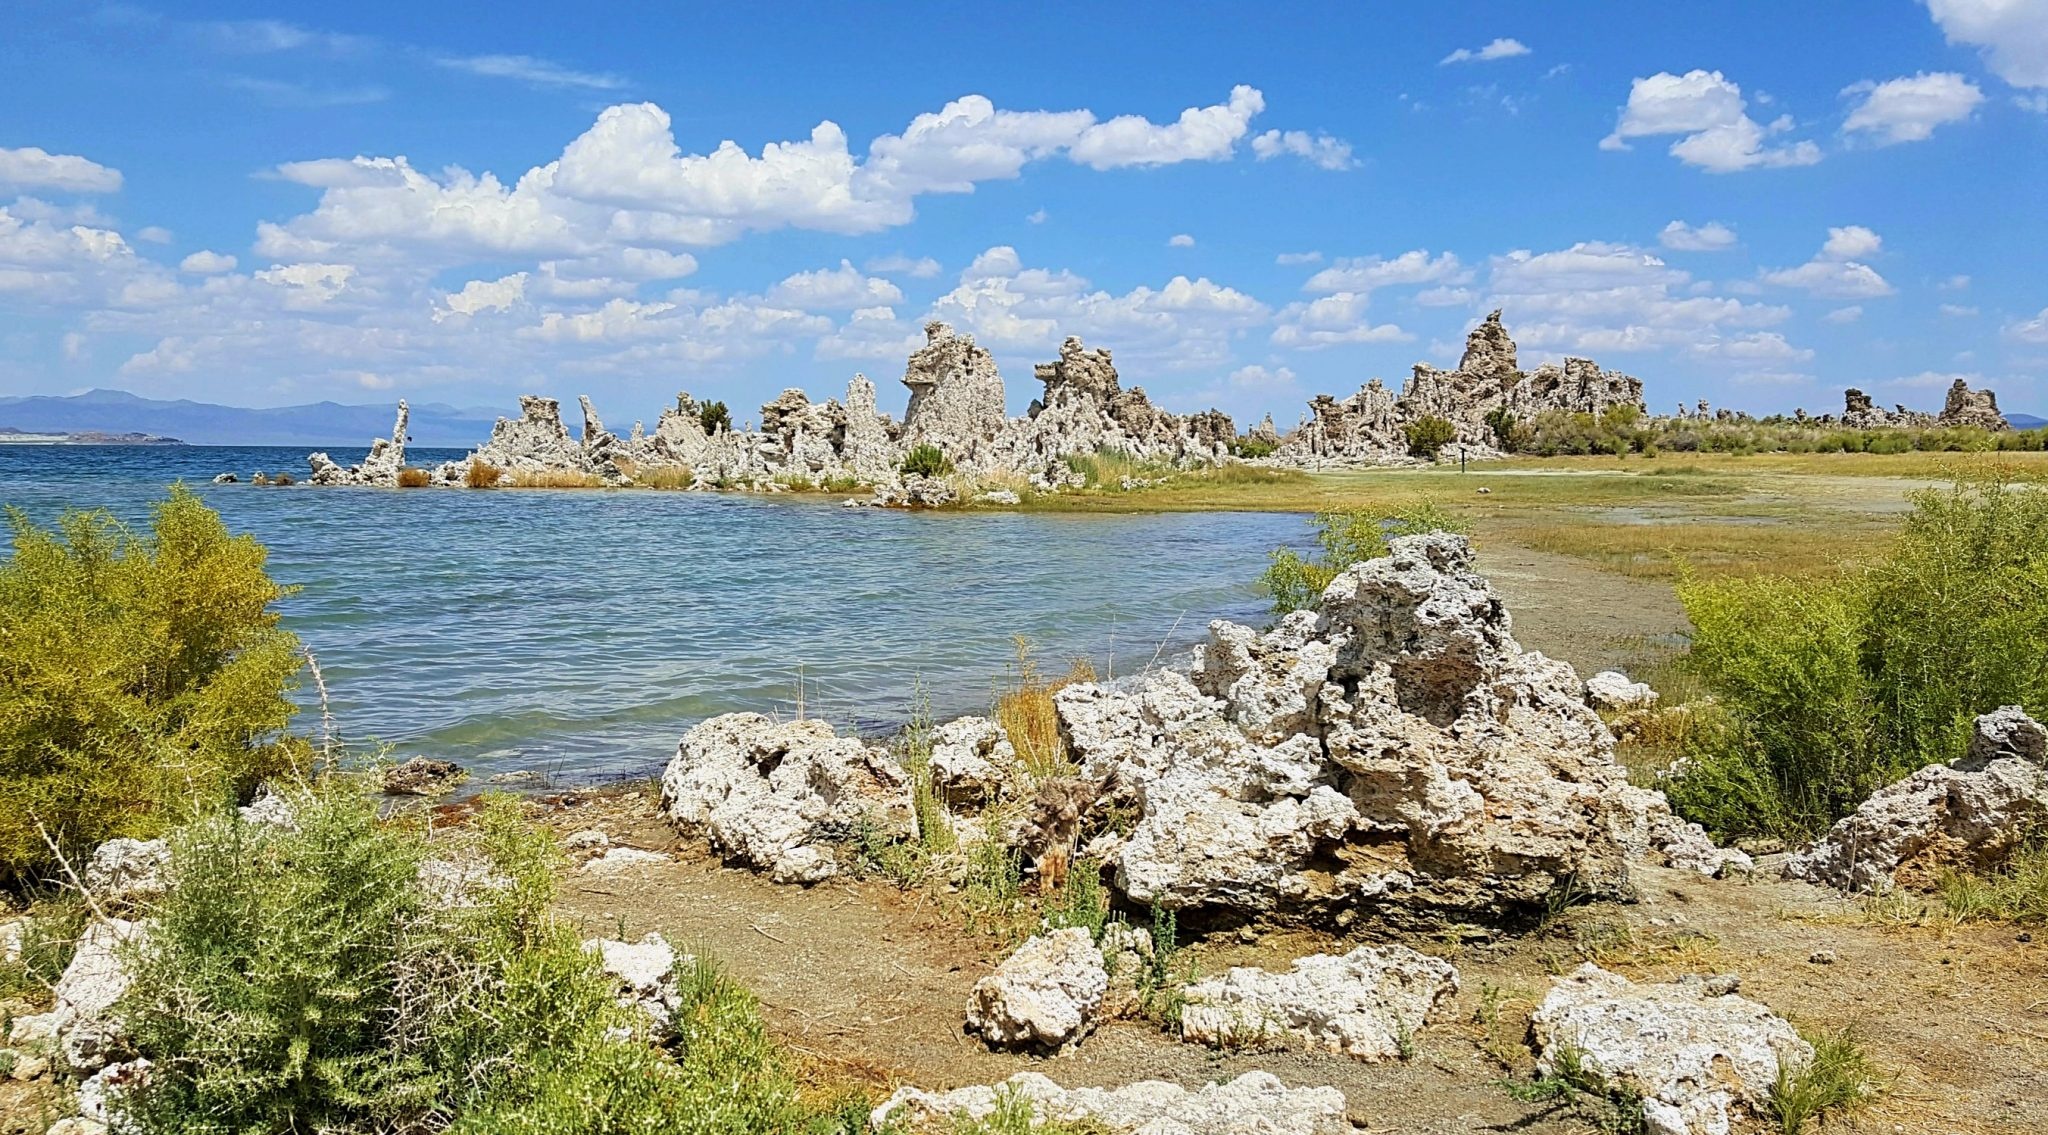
[1253,447]
[1428,435]
[1346,537]
[714,417]
[1831,689]
[1501,421]
[140,675]
[1108,468]
[926,460]
[307,979]
[1838,1078]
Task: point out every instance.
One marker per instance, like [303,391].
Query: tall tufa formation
[1369,427]
[956,395]
[1963,407]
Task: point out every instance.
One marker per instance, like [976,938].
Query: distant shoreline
[10,436]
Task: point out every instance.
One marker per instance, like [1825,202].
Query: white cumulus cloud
[1909,109]
[1710,237]
[206,262]
[1180,240]
[1708,111]
[32,167]
[843,288]
[1363,274]
[1502,48]
[1837,270]
[1319,150]
[2012,34]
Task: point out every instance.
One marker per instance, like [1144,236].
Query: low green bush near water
[307,979]
[926,460]
[1827,690]
[1344,538]
[141,675]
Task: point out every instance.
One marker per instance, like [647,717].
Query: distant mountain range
[2025,421]
[202,423]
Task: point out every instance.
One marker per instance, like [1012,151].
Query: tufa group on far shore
[957,408]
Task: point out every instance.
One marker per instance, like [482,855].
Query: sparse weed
[1345,538]
[926,460]
[1574,1085]
[1028,716]
[1840,1077]
[2015,892]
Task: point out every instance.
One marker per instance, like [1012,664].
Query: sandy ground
[872,980]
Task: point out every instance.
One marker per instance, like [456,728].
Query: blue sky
[1753,203]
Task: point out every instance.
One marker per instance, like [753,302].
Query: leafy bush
[1428,435]
[140,675]
[714,417]
[1251,447]
[307,979]
[411,478]
[482,474]
[926,460]
[1346,537]
[1832,689]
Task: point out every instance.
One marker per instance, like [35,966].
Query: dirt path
[872,979]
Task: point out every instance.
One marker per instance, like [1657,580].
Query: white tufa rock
[1047,995]
[99,1094]
[128,870]
[646,972]
[1394,749]
[589,839]
[271,810]
[1968,814]
[782,796]
[1366,1004]
[1256,1102]
[82,1023]
[972,762]
[1698,1057]
[624,860]
[1611,691]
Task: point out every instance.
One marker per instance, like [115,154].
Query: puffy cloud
[1837,270]
[2033,330]
[2012,34]
[833,289]
[1597,296]
[206,262]
[1934,380]
[1710,237]
[1207,133]
[1502,48]
[1908,109]
[1180,240]
[33,167]
[48,264]
[1038,216]
[922,268]
[1334,320]
[531,71]
[1708,111]
[1259,377]
[1182,323]
[1363,274]
[1319,150]
[484,295]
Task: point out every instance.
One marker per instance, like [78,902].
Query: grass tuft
[1026,712]
[1839,1078]
[482,474]
[411,478]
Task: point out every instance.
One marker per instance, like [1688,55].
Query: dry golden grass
[482,474]
[410,478]
[1026,713]
[555,479]
[661,476]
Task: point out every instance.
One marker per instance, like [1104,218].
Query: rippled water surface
[579,633]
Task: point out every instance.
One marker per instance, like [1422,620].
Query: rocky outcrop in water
[380,466]
[1370,426]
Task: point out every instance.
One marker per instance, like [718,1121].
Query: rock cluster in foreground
[1253,1102]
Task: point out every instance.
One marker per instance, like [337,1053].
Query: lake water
[579,633]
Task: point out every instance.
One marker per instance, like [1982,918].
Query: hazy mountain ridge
[205,423]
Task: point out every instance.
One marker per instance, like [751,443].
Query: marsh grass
[1026,712]
[926,460]
[1109,469]
[2016,892]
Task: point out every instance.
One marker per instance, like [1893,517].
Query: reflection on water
[580,632]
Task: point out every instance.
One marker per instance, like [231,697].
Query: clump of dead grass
[555,479]
[411,478]
[482,474]
[1025,711]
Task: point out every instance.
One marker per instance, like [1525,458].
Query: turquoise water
[579,633]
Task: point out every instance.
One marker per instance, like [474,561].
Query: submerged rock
[1969,814]
[423,776]
[1047,995]
[783,796]
[1698,1056]
[1365,1004]
[1254,1102]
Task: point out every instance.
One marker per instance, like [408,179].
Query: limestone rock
[423,776]
[1699,1058]
[1612,691]
[1047,995]
[624,860]
[1254,1102]
[646,972]
[81,1022]
[782,796]
[1967,407]
[99,1095]
[128,870]
[972,762]
[1365,1004]
[380,467]
[956,395]
[1969,814]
